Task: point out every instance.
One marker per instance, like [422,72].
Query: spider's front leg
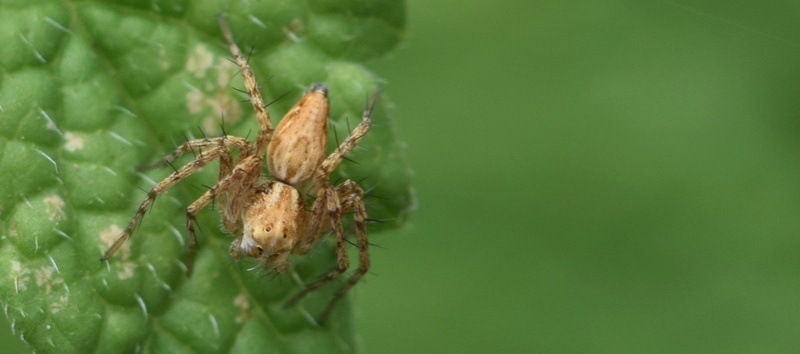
[226,164]
[186,170]
[265,126]
[239,182]
[198,146]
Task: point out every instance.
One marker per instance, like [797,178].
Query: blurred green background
[594,176]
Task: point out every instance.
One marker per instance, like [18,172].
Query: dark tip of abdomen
[319,88]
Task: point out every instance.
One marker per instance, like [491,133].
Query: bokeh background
[594,177]
[607,176]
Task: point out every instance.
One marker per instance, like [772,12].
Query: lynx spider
[271,214]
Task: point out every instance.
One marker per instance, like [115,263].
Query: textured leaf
[90,90]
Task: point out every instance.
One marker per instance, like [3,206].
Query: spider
[270,214]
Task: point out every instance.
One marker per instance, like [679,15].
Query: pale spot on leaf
[46,278]
[55,206]
[194,100]
[62,303]
[199,60]
[210,96]
[241,303]
[128,268]
[19,275]
[73,142]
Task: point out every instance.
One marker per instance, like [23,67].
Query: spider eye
[268,229]
[284,235]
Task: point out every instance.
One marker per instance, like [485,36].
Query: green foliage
[90,90]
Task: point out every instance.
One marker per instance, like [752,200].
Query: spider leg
[352,196]
[198,145]
[265,129]
[229,217]
[347,196]
[333,160]
[333,207]
[243,175]
[318,218]
[201,160]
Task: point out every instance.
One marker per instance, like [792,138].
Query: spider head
[271,226]
[266,240]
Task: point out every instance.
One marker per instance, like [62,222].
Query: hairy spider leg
[186,170]
[346,196]
[244,175]
[226,164]
[199,145]
[353,196]
[265,126]
[323,172]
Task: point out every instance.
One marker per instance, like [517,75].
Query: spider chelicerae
[270,214]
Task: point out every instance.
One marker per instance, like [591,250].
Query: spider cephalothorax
[269,213]
[273,221]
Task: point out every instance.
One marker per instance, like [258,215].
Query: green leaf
[90,90]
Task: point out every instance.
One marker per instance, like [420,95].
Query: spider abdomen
[298,145]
